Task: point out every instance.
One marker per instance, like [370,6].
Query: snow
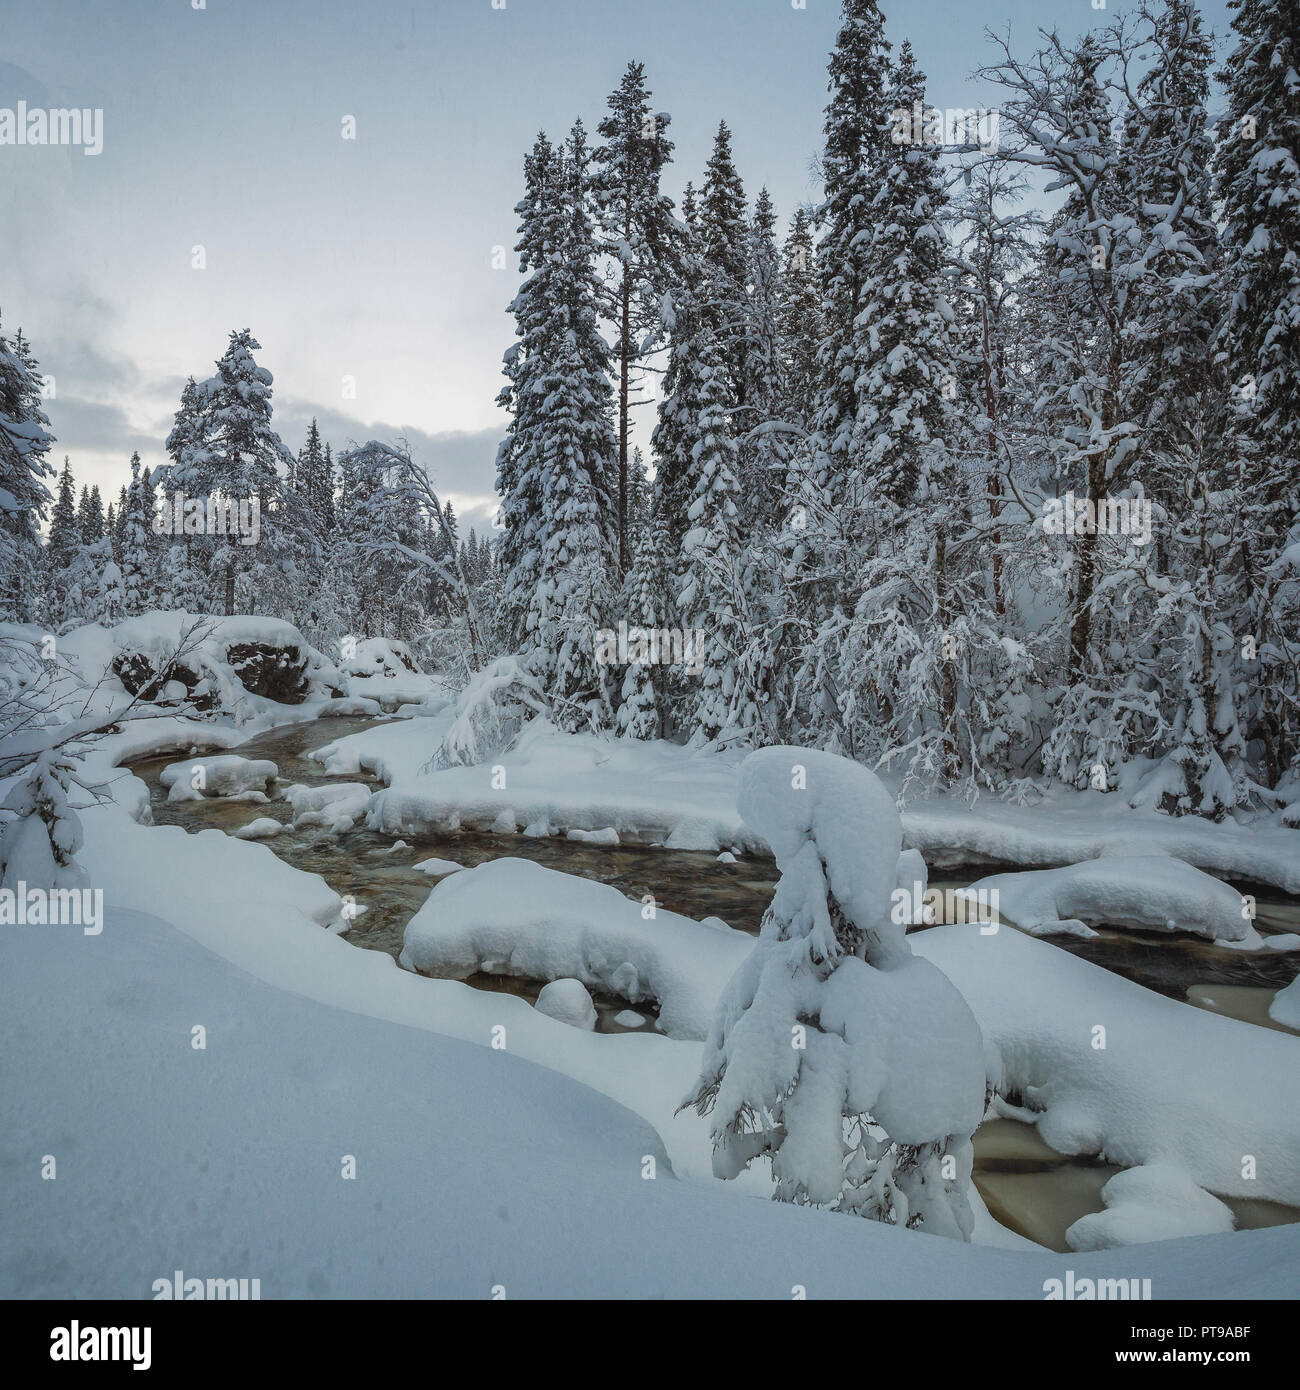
[1154,894]
[436,868]
[514,917]
[1171,1081]
[263,828]
[567,1001]
[686,798]
[1285,1005]
[227,775]
[538,1164]
[338,805]
[1156,1201]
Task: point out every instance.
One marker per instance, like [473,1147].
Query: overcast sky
[371,258]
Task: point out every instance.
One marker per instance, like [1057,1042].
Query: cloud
[461,463]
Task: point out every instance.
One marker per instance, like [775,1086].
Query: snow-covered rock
[437,868]
[263,828]
[514,917]
[220,775]
[1155,1201]
[378,656]
[234,665]
[338,805]
[1153,893]
[567,1001]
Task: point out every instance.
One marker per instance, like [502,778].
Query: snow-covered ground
[474,1168]
[551,783]
[496,1144]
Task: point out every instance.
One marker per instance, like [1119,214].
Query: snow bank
[1156,894]
[1106,1067]
[661,793]
[514,917]
[1171,1081]
[227,775]
[551,783]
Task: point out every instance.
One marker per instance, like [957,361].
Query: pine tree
[1258,185]
[90,515]
[64,536]
[241,454]
[800,324]
[554,468]
[763,451]
[636,230]
[24,442]
[856,151]
[722,244]
[138,562]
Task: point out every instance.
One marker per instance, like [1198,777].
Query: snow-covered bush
[854,1065]
[489,714]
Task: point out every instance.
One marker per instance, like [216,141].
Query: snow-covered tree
[24,442]
[852,1065]
[555,467]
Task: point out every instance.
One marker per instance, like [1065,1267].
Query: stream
[1027,1186]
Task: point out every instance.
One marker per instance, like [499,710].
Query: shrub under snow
[854,1065]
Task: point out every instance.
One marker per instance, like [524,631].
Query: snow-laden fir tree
[852,1065]
[722,245]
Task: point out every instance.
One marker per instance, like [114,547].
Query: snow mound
[607,836]
[379,656]
[514,917]
[567,1001]
[1156,1201]
[263,828]
[437,868]
[224,775]
[1152,893]
[338,805]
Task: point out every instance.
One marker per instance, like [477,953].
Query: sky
[371,259]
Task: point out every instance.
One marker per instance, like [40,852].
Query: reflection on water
[1026,1185]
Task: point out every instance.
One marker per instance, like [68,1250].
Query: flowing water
[1029,1187]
